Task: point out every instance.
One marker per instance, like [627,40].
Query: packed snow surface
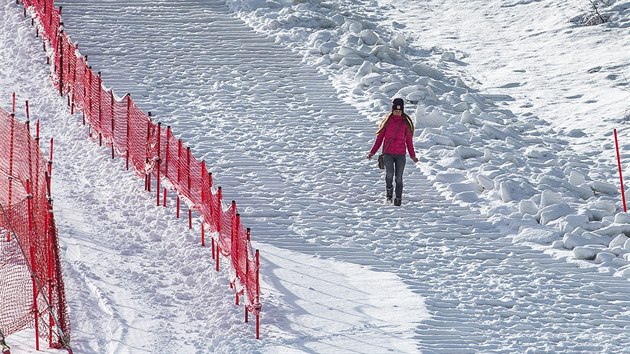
[511,237]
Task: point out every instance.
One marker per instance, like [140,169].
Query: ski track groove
[303,128]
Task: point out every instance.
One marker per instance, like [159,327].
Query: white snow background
[511,236]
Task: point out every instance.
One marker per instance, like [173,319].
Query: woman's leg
[399,161]
[389,174]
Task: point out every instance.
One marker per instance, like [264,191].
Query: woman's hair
[409,122]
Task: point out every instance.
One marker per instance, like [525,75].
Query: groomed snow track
[281,140]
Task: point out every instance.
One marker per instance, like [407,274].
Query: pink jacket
[401,142]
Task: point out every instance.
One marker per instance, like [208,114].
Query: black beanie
[398,104]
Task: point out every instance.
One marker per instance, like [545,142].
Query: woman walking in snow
[396,130]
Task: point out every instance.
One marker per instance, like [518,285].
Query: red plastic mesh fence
[151,150]
[31,284]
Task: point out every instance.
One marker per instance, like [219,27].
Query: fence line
[31,284]
[152,151]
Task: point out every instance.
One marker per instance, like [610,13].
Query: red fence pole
[623,194]
[33,265]
[189,192]
[179,168]
[203,203]
[203,232]
[236,228]
[86,73]
[49,230]
[166,163]
[30,154]
[210,193]
[13,103]
[247,285]
[88,109]
[188,166]
[128,129]
[233,230]
[37,146]
[159,162]
[100,109]
[246,309]
[219,213]
[111,109]
[11,143]
[257,295]
[30,151]
[47,184]
[50,161]
[69,81]
[179,161]
[74,82]
[147,174]
[60,38]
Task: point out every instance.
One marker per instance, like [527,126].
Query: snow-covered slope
[511,164]
[491,250]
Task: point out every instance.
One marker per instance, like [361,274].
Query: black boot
[390,193]
[397,201]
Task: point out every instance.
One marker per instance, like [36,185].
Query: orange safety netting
[151,150]
[31,284]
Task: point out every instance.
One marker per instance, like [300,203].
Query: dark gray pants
[394,166]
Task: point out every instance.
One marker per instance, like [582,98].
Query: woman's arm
[409,143]
[377,143]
